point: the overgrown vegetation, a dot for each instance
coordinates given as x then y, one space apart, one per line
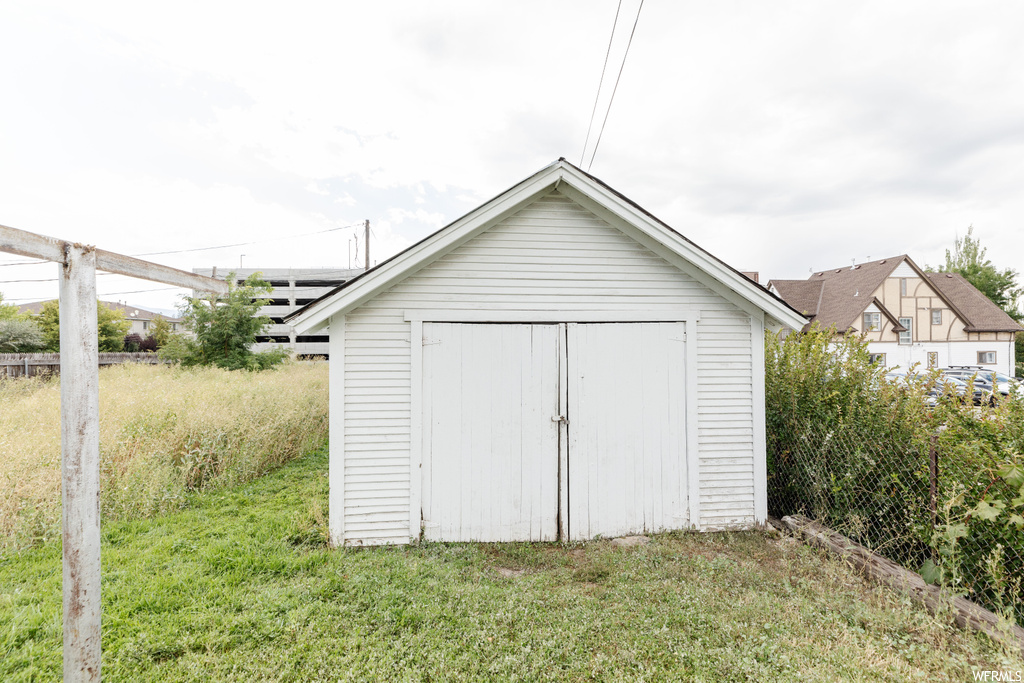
18 332
225 329
241 587
164 433
854 451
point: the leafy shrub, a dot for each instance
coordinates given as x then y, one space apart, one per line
854 451
225 328
19 335
149 344
133 342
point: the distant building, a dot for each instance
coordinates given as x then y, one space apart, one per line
140 318
907 315
293 289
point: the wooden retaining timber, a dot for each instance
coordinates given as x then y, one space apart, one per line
32 364
966 613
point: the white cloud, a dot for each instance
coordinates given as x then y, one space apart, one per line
779 136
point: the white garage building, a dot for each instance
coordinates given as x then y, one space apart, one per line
556 364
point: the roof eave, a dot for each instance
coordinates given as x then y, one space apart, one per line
360 289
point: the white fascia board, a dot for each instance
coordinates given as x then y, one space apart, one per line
712 266
491 212
428 250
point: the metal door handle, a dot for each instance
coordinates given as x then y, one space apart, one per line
559 418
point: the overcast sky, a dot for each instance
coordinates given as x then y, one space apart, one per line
780 136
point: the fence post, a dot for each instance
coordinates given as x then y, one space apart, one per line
933 489
80 463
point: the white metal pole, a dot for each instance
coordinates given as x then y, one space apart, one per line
80 463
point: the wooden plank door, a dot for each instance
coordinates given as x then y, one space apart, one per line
626 456
490 446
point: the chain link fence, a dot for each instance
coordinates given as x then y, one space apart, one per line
935 500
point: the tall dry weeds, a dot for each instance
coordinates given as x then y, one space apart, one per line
163 432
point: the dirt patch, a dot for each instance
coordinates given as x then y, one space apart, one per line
630 541
510 573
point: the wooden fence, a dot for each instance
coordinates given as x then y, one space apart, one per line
32 364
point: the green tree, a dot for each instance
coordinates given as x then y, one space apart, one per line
10 311
1000 286
18 335
226 328
161 330
111 327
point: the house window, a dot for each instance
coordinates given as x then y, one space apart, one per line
986 357
871 321
903 286
876 358
936 316
907 336
145 324
933 359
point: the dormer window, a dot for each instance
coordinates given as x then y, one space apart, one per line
872 321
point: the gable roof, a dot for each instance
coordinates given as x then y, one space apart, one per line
578 185
844 293
978 311
802 295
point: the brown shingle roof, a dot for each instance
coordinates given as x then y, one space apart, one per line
802 295
981 314
842 293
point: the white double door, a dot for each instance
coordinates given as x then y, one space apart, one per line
531 432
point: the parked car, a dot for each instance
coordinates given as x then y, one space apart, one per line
992 381
942 385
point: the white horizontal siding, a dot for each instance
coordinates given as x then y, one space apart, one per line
552 255
950 353
725 435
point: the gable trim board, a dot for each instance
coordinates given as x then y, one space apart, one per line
545 259
579 186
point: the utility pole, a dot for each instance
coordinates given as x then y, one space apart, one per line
366 240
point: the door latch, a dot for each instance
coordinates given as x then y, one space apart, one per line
559 418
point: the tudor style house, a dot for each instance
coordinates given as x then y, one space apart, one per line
907 315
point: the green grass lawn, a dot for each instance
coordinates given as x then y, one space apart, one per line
240 586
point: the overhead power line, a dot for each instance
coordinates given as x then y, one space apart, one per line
615 89
179 251
600 82
245 244
186 251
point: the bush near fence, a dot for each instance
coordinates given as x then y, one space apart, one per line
937 489
164 432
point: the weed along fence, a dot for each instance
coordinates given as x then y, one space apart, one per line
33 364
945 504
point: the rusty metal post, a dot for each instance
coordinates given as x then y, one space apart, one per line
933 470
80 463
